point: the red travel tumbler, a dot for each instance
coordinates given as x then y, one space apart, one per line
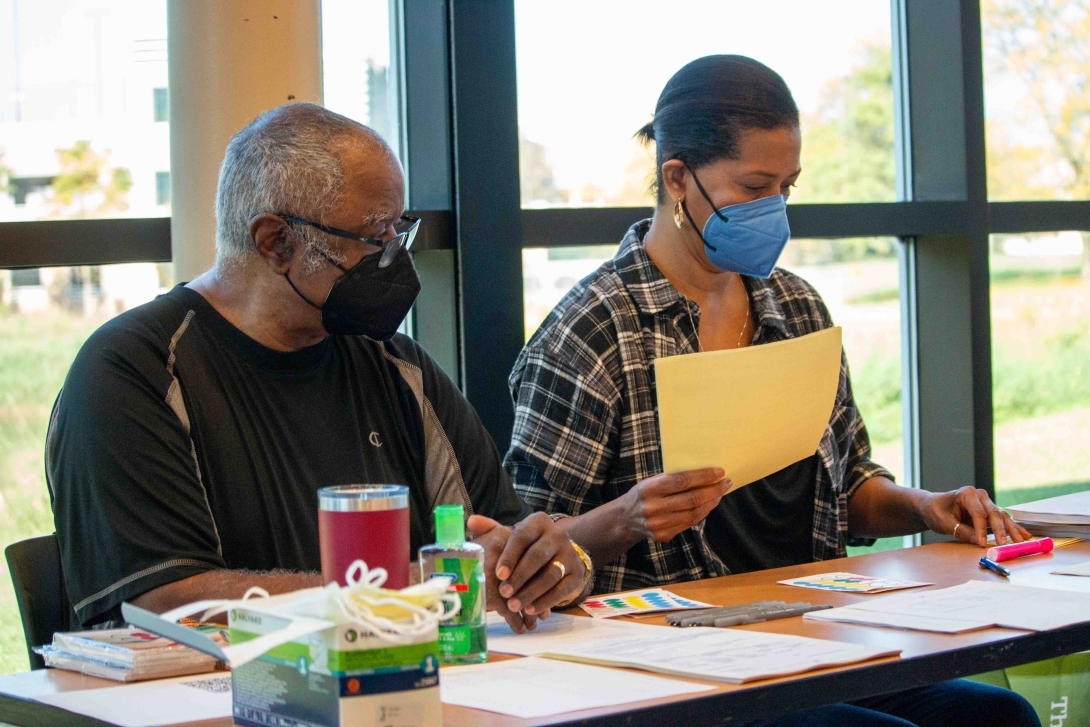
364 522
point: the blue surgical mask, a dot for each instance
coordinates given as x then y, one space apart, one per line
745 238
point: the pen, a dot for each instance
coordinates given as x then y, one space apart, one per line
706 616
771 615
993 566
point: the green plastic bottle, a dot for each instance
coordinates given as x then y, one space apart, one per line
462 639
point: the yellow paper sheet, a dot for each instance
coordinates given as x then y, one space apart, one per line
751 411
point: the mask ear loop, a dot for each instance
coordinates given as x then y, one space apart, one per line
685 208
331 261
711 204
356 605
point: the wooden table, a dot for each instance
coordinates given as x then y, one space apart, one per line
925 658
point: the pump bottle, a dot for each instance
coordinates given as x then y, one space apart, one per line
462 639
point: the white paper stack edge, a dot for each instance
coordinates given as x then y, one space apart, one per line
1067 516
124 655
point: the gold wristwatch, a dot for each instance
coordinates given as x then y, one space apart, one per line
588 565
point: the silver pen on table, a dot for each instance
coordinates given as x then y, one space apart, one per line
707 616
759 616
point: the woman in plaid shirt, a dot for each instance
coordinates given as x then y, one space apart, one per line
700 276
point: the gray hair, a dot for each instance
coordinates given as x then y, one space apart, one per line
289 160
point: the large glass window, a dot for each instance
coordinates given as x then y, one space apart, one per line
858 280
358 79
1040 294
548 273
589 75
1036 72
83 84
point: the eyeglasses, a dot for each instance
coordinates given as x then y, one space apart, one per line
404 234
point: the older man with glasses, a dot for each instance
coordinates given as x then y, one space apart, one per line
193 432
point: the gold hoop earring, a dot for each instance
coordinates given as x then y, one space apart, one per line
678 219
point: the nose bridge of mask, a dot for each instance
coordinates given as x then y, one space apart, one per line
750 215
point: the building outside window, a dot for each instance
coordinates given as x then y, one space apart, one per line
76 138
162 188
161 104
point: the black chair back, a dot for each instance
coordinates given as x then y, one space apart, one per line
35 566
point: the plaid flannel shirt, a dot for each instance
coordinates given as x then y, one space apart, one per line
586 423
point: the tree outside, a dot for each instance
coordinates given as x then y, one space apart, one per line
86 184
1037 78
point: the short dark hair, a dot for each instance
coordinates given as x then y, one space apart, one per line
708 103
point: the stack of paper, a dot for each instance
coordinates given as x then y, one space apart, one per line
968 607
725 655
127 655
1064 516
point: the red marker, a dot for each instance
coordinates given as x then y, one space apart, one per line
1016 550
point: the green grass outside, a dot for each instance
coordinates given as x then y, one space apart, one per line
35 352
1025 384
1002 277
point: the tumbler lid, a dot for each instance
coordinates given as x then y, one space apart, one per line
363 498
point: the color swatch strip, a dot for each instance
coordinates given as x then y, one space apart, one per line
651 600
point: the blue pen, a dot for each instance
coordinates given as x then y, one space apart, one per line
993 566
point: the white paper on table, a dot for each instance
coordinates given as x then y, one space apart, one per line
1054 582
536 687
911 622
972 605
1082 569
559 631
1073 509
724 655
144 704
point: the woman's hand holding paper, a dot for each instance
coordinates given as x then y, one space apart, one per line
662 506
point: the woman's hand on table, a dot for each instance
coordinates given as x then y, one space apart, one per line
967 513
529 568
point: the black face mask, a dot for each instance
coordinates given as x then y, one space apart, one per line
368 300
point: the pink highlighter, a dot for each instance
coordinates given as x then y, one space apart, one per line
1017 550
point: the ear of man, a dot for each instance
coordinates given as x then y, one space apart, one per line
270 235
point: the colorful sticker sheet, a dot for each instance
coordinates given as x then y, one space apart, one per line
651 600
851 583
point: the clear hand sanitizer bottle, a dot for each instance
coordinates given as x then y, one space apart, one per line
462 639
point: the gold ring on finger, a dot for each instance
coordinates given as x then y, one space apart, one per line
563 570
956 529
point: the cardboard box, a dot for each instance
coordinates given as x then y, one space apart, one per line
317 673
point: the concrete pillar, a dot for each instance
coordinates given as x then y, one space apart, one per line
229 60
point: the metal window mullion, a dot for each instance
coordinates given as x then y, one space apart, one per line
487 204
425 68
934 50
